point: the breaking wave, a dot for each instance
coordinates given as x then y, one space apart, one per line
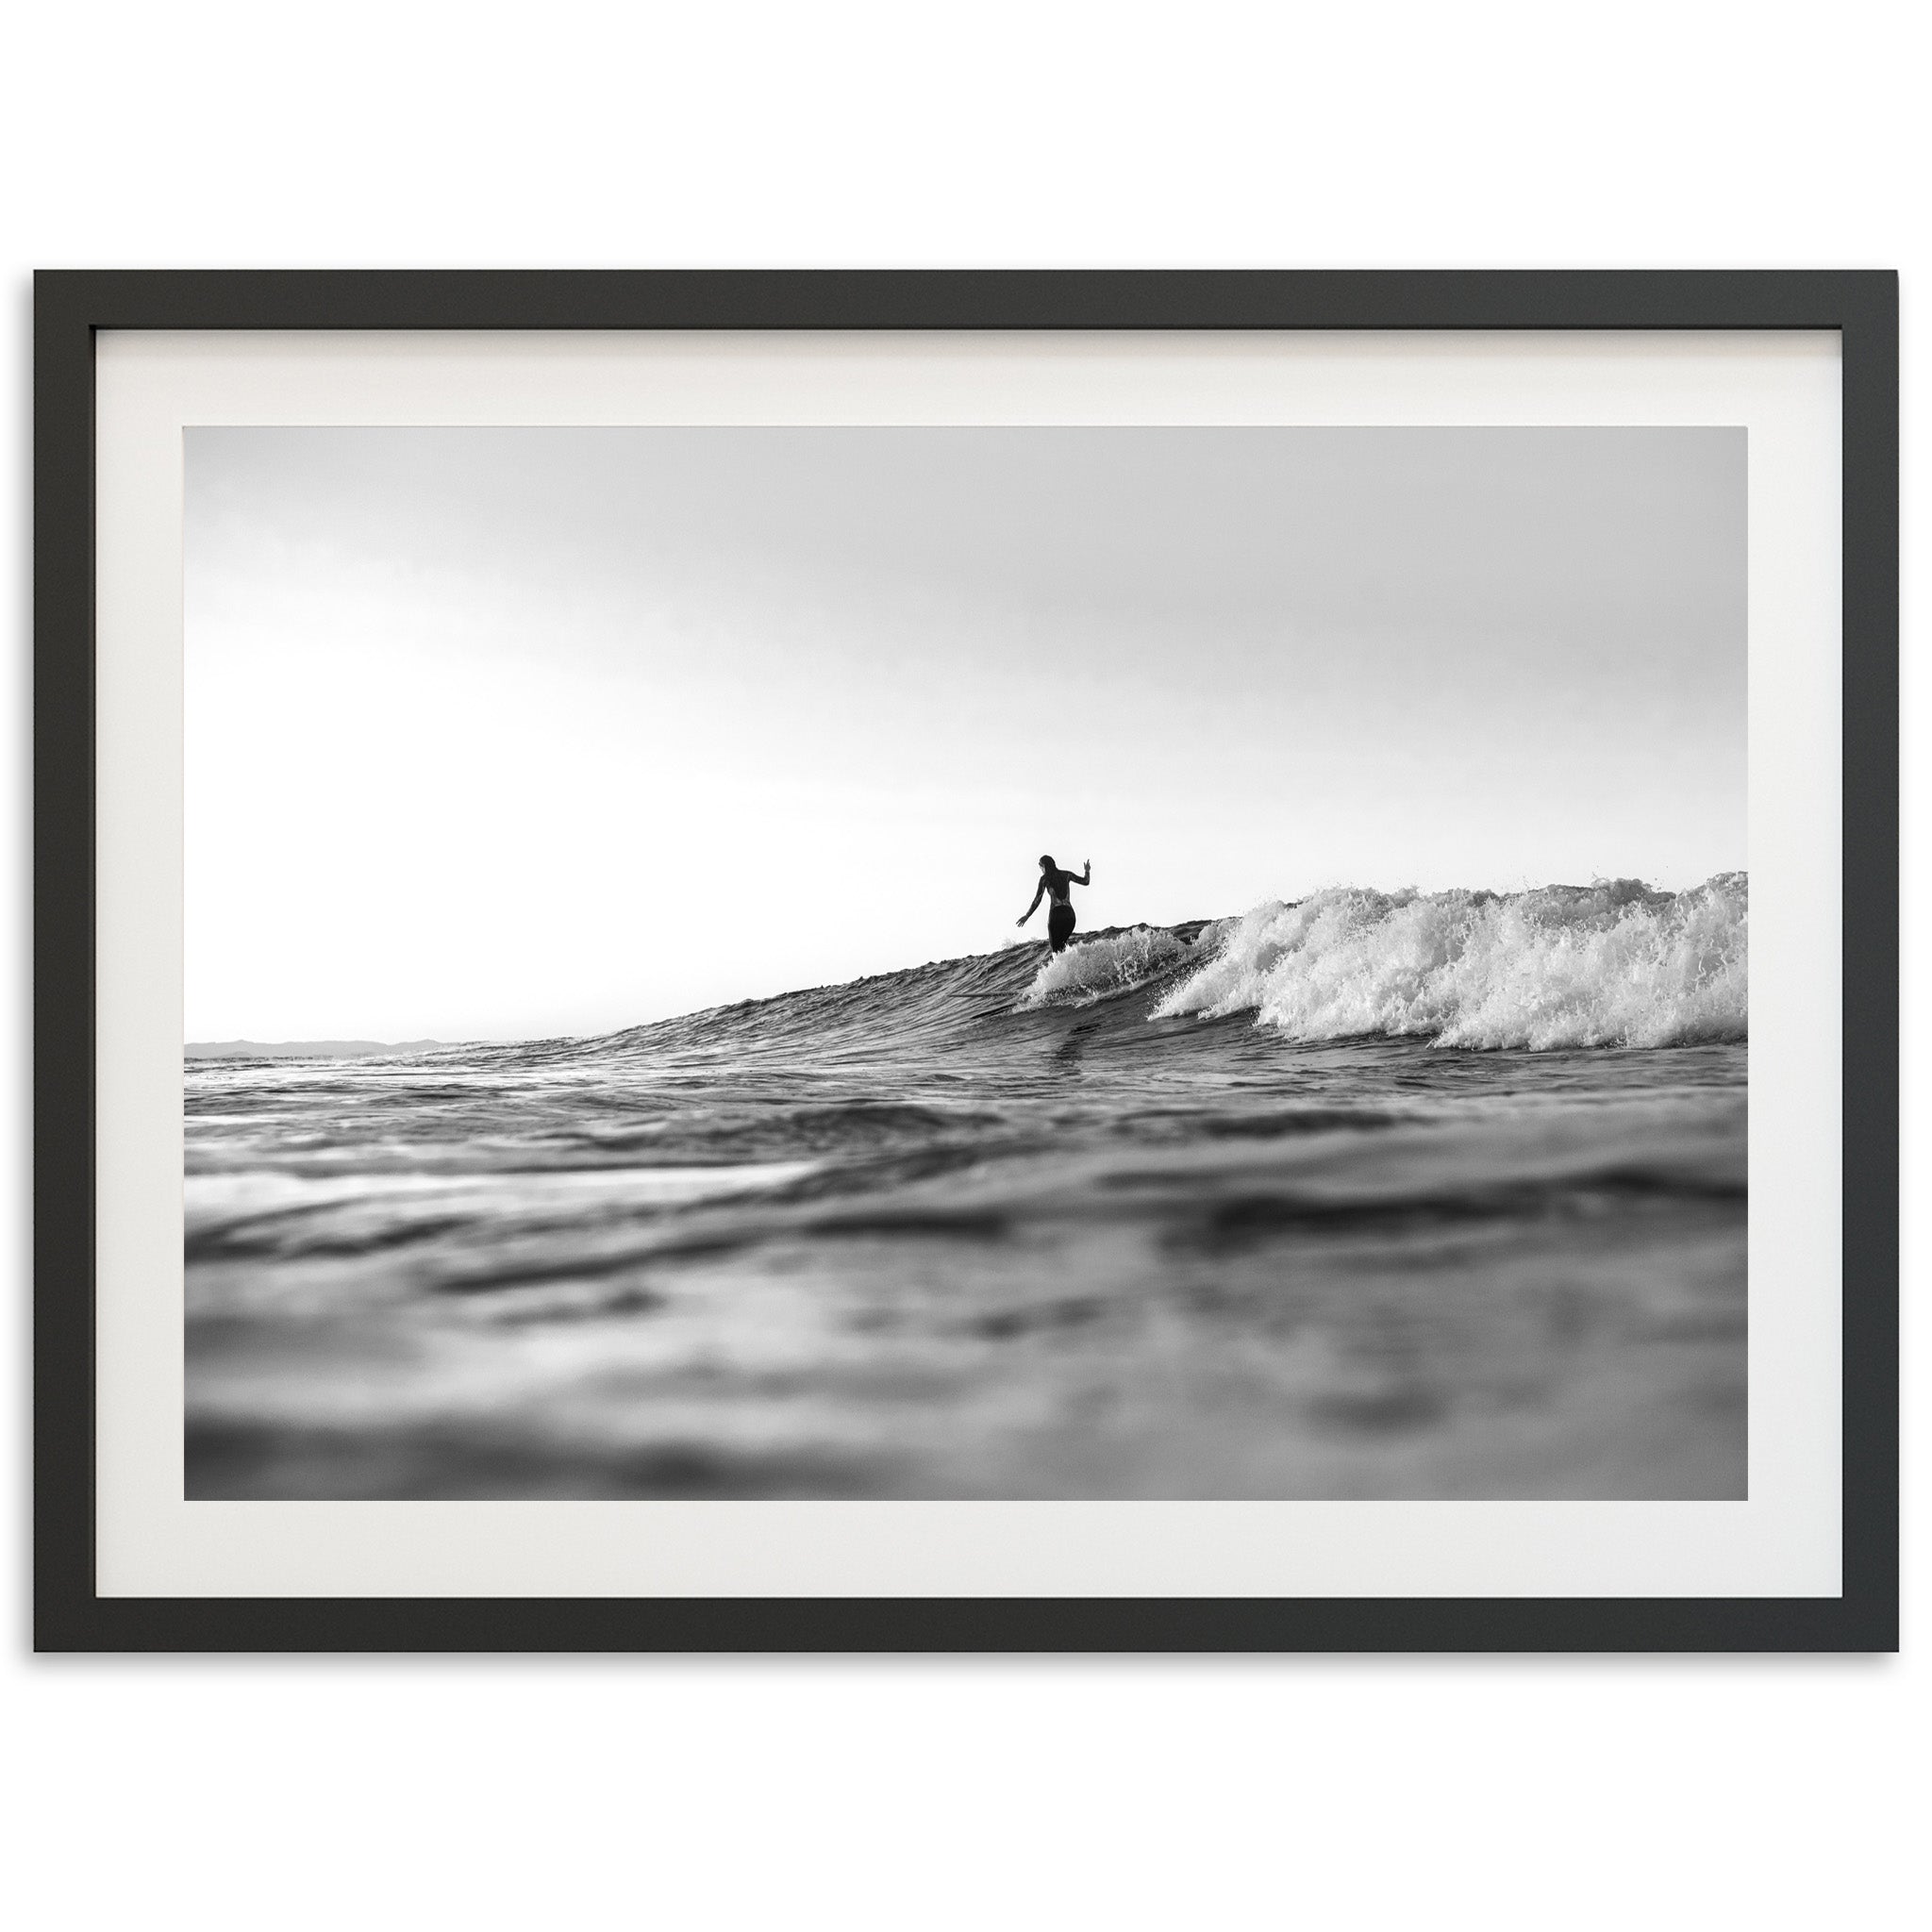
1610 964
1107 964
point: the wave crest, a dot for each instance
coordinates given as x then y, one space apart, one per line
1098 969
1611 964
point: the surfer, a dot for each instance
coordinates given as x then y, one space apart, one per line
1057 885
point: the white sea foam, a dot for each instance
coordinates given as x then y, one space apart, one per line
1610 964
1097 969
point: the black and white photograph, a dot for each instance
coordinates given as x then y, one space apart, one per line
888 1050
966 962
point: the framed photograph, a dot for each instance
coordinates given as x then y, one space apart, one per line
966 962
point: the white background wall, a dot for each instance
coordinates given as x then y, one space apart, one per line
1535 1793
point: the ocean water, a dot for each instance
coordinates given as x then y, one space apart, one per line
1370 1195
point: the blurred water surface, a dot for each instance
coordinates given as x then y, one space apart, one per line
979 1229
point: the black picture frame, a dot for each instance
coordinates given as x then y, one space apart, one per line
70 307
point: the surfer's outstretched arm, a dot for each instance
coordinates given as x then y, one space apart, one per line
1086 872
1039 893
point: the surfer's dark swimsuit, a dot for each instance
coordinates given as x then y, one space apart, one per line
1057 885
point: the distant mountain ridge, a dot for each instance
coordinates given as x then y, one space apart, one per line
303 1049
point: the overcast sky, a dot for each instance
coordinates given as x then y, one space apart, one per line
512 732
